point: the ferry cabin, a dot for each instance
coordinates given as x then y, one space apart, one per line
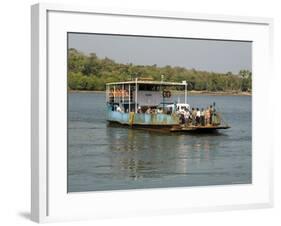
144 103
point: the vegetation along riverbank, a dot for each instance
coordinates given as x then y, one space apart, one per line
91 73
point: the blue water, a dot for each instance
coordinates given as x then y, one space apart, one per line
101 157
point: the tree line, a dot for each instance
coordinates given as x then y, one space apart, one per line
89 72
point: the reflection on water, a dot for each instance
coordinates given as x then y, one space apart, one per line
142 154
105 157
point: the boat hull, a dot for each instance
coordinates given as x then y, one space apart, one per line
142 119
158 122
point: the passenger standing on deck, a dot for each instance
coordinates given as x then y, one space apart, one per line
148 111
207 116
193 115
197 116
139 110
202 117
211 114
186 116
159 111
182 119
214 117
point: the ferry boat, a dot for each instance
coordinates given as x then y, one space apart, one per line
151 105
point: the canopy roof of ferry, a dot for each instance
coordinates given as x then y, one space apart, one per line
149 82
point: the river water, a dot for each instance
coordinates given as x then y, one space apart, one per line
101 157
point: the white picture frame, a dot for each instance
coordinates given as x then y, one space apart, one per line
50 200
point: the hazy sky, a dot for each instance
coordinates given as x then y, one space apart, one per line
208 55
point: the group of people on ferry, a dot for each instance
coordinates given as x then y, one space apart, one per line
197 117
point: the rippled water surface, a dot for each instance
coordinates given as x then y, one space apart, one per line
101 157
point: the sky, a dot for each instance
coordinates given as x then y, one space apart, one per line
207 55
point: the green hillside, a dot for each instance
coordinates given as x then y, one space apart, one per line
88 72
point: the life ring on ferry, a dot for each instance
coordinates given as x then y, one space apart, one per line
166 93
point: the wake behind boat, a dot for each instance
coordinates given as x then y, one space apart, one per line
150 105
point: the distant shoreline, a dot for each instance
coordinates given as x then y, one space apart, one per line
190 93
